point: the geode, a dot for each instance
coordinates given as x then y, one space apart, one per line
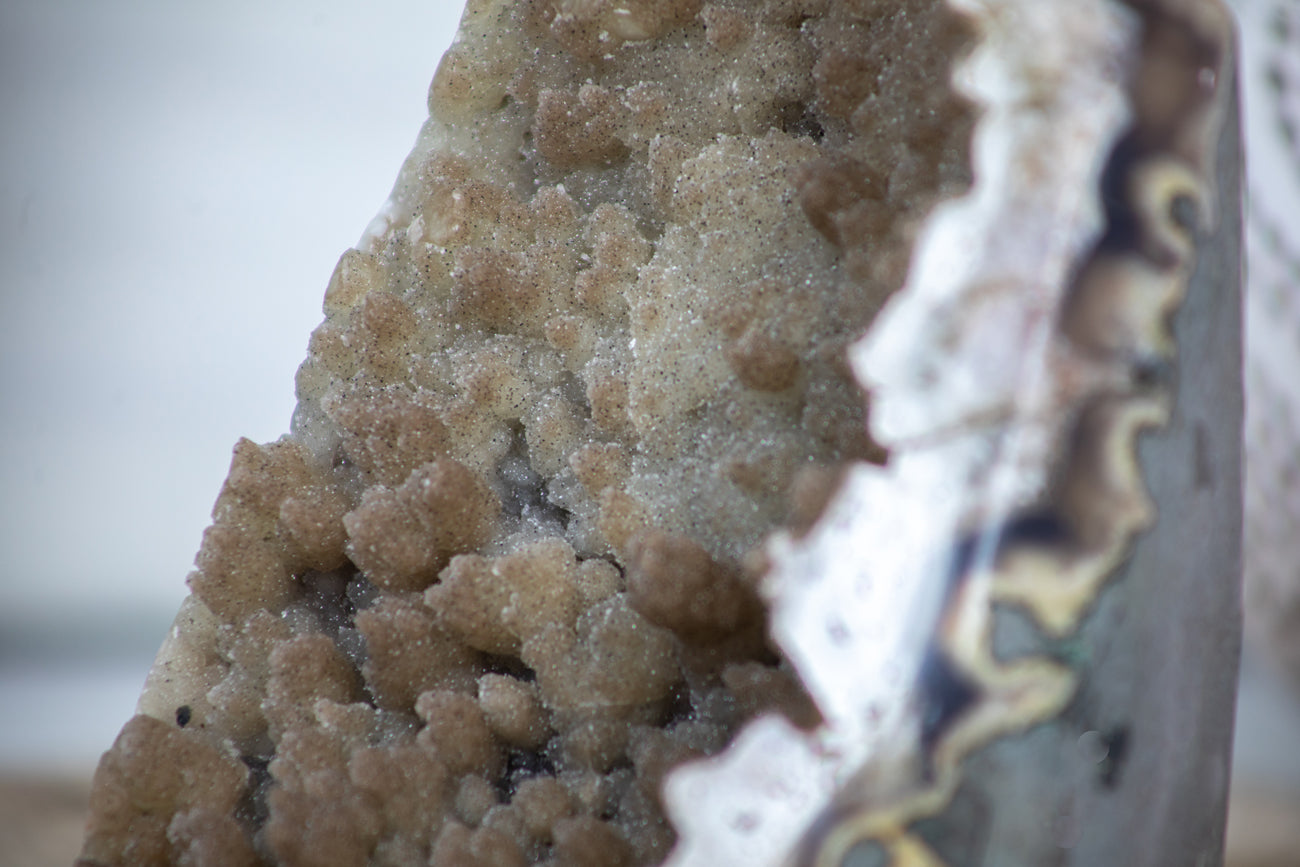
593 474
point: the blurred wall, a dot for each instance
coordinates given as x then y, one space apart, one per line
177 181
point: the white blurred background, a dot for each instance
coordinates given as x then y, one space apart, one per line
177 181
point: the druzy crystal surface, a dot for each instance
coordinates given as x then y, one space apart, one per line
500 577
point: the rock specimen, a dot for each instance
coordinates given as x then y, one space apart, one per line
500 577
1022 632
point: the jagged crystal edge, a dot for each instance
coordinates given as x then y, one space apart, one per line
965 410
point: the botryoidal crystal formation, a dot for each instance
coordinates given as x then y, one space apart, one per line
500 577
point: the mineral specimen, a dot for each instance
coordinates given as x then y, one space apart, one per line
500 577
1022 632
603 536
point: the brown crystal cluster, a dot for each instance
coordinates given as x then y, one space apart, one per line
500 577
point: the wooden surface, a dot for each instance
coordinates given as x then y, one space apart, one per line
1263 829
41 822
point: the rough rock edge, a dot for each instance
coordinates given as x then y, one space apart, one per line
1049 441
281 512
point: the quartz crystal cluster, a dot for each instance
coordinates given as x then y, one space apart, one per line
500 576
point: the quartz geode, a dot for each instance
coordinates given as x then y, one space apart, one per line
500 577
